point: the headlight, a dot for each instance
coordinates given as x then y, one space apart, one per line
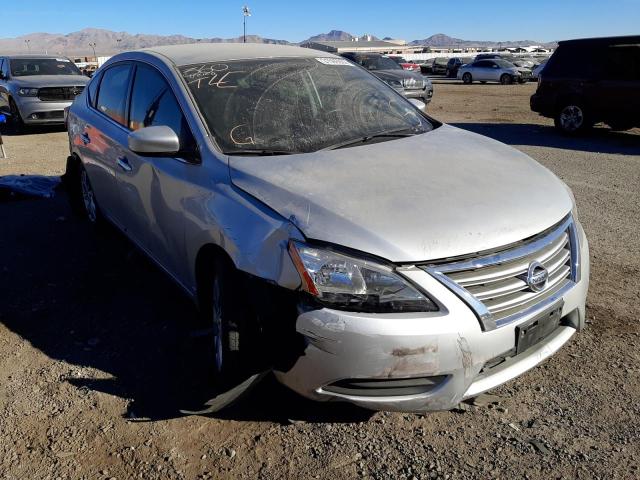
348 283
28 92
395 83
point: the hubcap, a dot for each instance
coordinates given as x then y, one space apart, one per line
217 326
571 118
88 197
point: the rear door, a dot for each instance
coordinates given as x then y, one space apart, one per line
153 187
102 136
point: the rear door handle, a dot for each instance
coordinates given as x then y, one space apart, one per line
85 138
124 164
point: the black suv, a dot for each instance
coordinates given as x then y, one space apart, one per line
591 80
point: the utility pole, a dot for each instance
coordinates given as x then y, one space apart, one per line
118 40
93 47
245 13
28 42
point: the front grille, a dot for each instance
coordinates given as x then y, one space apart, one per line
495 285
59 94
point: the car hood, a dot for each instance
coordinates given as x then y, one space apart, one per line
411 199
38 81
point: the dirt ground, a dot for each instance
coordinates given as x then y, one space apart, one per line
98 350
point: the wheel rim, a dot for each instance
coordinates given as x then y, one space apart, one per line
217 326
88 198
467 78
571 118
506 80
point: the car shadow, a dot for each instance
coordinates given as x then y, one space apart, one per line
7 131
87 297
598 140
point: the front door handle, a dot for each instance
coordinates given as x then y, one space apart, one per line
85 138
124 164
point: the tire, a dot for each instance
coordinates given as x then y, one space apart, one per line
234 325
467 79
572 118
16 122
506 79
483 82
87 200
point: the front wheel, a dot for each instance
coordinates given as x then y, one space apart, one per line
17 125
506 79
234 325
572 119
466 78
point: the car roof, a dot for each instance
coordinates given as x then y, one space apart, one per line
215 52
631 39
31 56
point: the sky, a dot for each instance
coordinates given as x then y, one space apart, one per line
542 20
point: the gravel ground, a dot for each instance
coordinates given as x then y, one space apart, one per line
98 352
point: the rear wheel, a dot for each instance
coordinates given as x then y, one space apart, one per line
467 79
89 202
572 119
506 79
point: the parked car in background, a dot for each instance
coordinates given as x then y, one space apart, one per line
288 193
35 89
454 64
523 62
439 65
412 67
410 84
487 56
535 73
591 80
494 70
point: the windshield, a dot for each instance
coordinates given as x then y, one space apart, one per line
22 67
297 104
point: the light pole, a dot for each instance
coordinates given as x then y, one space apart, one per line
28 42
93 47
118 40
245 13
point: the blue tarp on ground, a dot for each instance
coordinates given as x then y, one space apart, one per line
35 185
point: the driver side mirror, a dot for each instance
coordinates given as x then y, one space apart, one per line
154 141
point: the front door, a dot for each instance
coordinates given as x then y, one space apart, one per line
152 187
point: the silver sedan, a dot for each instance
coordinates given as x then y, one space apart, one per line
324 226
493 70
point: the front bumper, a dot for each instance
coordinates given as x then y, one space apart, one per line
36 112
447 347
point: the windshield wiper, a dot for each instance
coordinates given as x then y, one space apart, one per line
399 133
261 152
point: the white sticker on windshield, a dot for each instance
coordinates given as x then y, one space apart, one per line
62 60
334 61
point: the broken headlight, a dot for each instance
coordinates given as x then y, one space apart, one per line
344 282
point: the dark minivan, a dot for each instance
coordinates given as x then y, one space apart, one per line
592 80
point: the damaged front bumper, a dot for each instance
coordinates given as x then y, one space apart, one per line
420 361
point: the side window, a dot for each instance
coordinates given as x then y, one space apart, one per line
112 94
623 62
153 103
2 65
92 89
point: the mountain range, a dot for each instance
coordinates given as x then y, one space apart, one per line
108 42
